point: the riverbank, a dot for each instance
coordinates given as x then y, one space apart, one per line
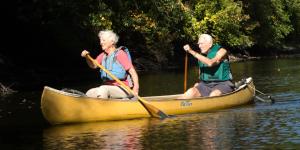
238 58
29 77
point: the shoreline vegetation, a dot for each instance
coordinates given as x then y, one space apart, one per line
287 51
239 58
16 82
154 31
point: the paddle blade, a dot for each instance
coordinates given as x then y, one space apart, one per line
153 111
272 99
162 115
264 100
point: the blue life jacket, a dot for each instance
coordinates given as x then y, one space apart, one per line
113 65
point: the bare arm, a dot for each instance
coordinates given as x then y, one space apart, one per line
209 62
135 79
88 61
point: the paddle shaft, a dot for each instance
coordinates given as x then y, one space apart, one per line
112 76
185 72
153 111
261 99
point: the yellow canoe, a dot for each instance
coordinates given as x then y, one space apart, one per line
59 107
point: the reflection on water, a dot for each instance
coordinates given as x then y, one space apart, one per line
244 127
100 135
183 132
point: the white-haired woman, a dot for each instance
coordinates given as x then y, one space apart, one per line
118 62
214 69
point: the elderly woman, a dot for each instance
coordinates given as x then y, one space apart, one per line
118 62
214 69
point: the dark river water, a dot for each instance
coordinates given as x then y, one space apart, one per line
261 125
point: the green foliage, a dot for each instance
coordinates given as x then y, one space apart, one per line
100 19
293 9
157 28
223 19
273 20
157 22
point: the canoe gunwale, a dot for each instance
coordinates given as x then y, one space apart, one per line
153 98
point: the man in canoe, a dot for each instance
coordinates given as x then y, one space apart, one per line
118 62
214 69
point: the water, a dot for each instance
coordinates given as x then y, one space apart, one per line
256 126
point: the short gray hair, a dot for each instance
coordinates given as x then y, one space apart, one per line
206 37
110 35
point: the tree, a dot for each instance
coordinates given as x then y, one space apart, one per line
274 22
225 20
294 12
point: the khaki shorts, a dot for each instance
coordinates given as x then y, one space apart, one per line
205 88
107 91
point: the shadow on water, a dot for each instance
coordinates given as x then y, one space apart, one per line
255 126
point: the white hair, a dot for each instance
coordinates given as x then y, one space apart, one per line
110 35
206 38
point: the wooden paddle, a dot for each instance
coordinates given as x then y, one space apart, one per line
185 71
243 81
261 99
152 110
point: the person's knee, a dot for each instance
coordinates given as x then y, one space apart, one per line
196 84
99 92
215 93
190 93
194 91
91 93
102 92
